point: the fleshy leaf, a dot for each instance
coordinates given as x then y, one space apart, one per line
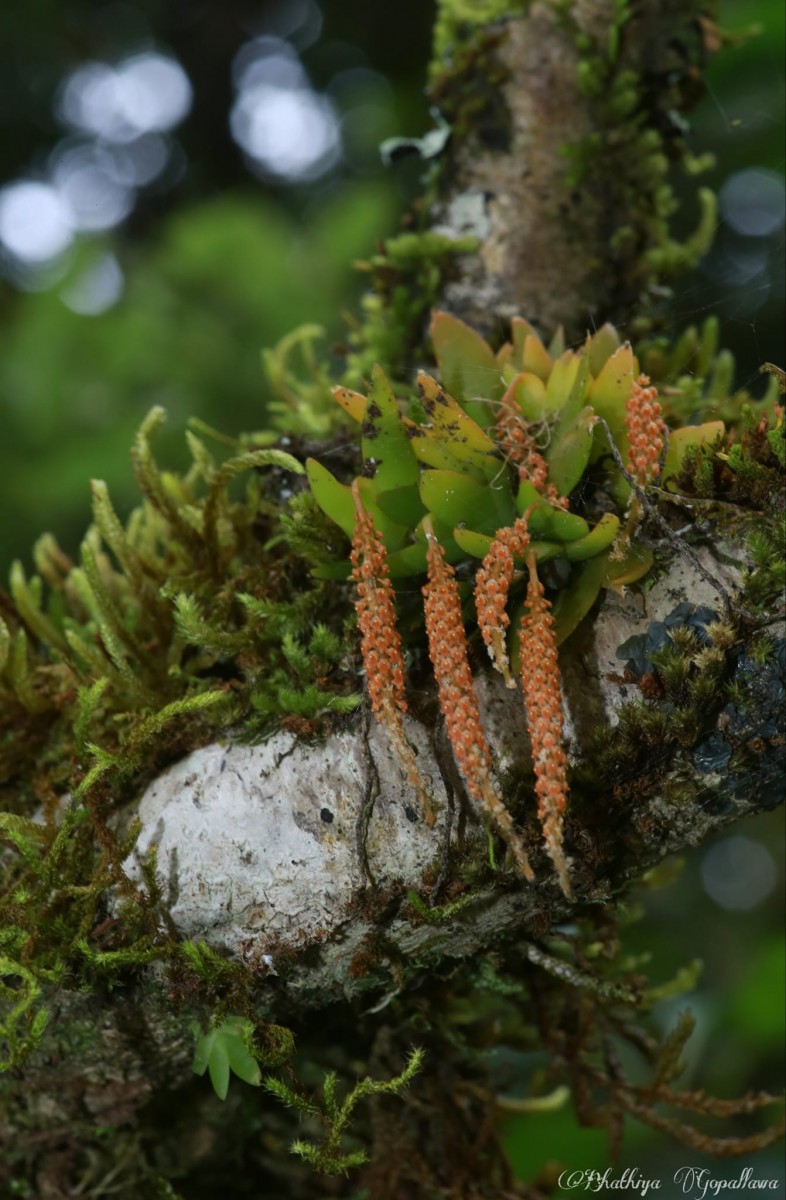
387 453
394 533
601 346
222 1049
575 601
457 499
411 560
352 402
569 452
477 545
528 392
608 395
402 504
467 365
680 441
536 357
596 541
552 523
452 441
561 380
334 498
557 343
632 566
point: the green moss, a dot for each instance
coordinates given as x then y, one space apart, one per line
405 278
183 621
456 20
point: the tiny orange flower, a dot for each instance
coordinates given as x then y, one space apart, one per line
380 645
447 642
646 431
540 677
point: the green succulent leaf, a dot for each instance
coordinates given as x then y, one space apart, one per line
477 545
601 346
681 440
336 501
528 392
387 451
575 601
608 395
529 353
569 451
468 366
561 380
409 561
552 523
629 567
334 498
458 500
596 541
452 423
402 504
393 532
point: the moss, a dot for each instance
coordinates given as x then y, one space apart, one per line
457 20
405 278
631 151
186 620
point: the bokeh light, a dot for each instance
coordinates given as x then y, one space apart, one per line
146 93
120 120
738 873
96 288
35 222
753 202
287 129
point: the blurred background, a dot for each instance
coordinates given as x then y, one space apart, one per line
184 182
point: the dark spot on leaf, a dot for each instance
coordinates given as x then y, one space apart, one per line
370 467
373 411
369 429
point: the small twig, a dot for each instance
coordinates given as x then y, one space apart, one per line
369 796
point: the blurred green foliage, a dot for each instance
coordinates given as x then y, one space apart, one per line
220 280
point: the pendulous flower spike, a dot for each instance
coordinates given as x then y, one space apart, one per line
492 584
447 642
540 677
646 431
383 657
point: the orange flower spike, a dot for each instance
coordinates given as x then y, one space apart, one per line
380 644
447 643
540 677
646 431
492 584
